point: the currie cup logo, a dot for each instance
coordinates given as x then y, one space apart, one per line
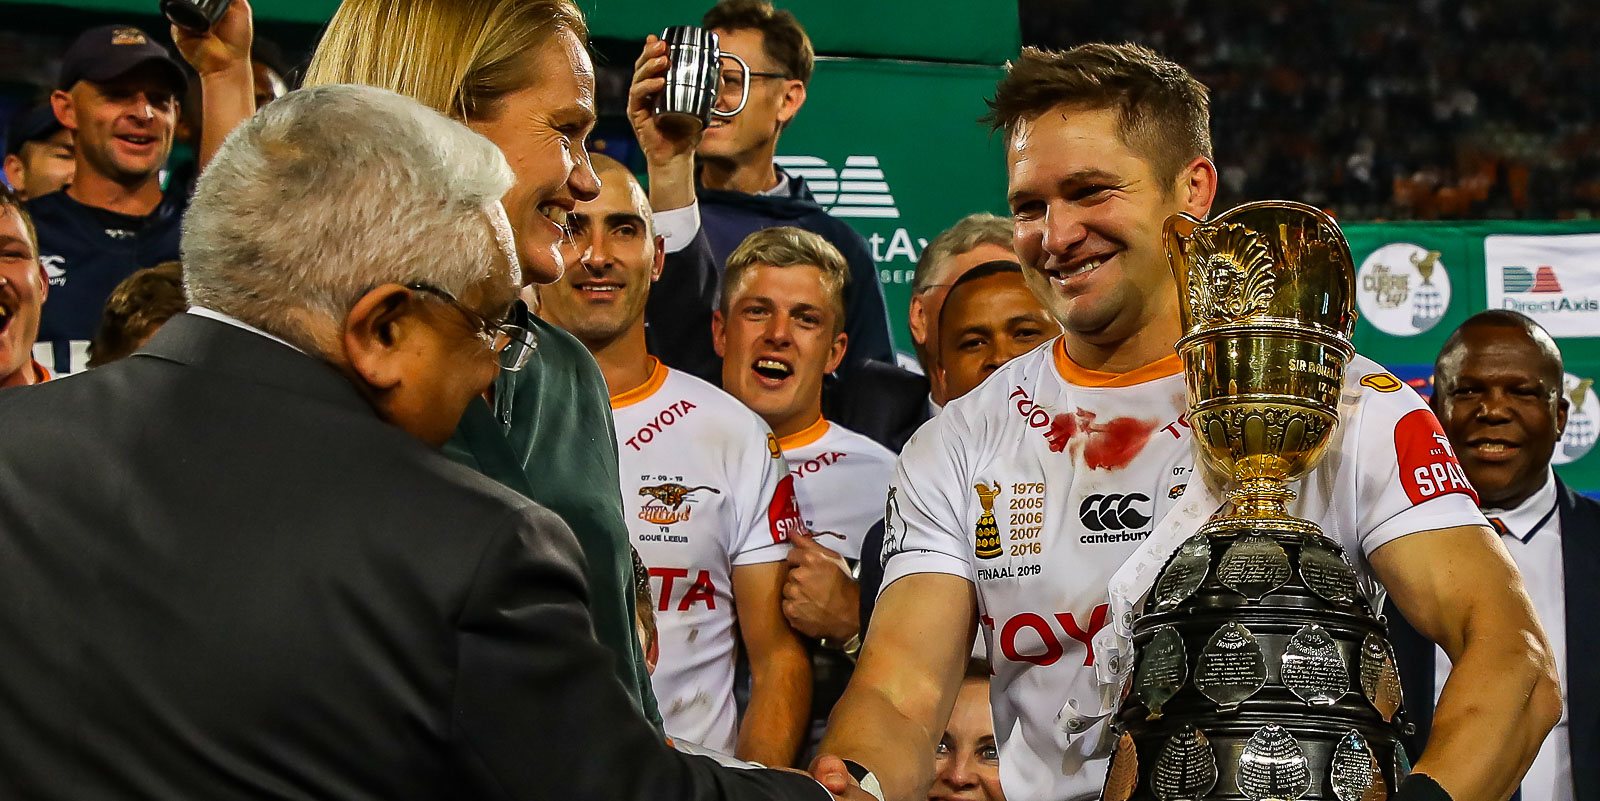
1402 290
1583 420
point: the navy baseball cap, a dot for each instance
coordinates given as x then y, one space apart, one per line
110 51
30 125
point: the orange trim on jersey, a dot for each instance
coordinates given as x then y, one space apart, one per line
1084 377
658 376
804 436
38 370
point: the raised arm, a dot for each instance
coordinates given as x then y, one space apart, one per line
780 669
227 85
1459 588
894 711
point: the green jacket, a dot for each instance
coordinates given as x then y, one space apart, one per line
550 437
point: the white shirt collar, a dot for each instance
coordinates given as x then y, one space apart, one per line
1529 516
213 314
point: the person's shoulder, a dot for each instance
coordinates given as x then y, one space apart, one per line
704 393
1374 392
993 397
51 207
858 444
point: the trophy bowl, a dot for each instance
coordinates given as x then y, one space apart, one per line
1265 296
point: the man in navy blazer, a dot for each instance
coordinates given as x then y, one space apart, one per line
1498 395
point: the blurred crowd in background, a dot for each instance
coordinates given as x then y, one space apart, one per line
1432 110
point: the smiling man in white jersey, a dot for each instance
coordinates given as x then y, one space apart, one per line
1023 498
780 330
706 495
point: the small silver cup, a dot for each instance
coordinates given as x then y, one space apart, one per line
694 75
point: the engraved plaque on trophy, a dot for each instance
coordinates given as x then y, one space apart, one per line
1380 679
1123 776
1254 566
1231 668
1184 573
1163 667
1186 769
1272 767
1313 668
1327 573
1354 771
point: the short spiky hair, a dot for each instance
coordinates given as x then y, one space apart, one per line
782 38
787 246
1165 114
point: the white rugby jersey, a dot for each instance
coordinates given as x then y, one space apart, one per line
704 489
840 478
1037 485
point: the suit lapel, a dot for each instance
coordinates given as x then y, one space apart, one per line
1580 560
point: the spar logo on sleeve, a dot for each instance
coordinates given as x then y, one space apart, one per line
783 516
1428 466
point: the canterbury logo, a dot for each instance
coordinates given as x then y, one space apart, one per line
1109 512
858 190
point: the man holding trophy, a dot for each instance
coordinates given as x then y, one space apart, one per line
1255 668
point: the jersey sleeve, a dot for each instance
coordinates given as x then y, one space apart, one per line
768 510
1408 479
923 529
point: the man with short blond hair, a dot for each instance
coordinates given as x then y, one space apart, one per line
23 288
779 332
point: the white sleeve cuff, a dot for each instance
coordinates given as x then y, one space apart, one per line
1444 511
908 563
677 227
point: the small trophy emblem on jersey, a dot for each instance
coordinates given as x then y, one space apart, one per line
987 531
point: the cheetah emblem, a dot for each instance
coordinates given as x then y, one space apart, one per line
673 495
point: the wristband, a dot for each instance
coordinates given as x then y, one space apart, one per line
1420 787
865 778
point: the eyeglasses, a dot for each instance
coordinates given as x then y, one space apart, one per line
733 84
512 344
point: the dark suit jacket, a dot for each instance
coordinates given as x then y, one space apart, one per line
882 401
223 577
1580 560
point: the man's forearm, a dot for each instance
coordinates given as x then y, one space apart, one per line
780 707
866 727
227 98
1499 703
671 183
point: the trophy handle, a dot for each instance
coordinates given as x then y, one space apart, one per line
744 96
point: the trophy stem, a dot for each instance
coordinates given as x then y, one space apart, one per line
1259 504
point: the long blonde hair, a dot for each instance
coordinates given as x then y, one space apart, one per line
459 57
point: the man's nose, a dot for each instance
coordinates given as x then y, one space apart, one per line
1063 228
1493 407
779 331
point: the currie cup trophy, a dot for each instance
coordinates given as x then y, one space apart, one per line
1261 671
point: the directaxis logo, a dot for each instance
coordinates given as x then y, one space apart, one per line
859 189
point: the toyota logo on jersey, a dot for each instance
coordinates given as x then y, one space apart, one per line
1428 466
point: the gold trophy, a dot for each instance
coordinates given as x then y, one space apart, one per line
1261 671
1266 293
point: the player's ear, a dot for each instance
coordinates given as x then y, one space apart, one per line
61 104
660 260
836 350
716 333
1197 187
915 321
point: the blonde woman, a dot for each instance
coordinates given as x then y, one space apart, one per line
518 72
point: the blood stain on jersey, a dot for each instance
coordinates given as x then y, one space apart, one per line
987 532
666 504
1111 445
1428 466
